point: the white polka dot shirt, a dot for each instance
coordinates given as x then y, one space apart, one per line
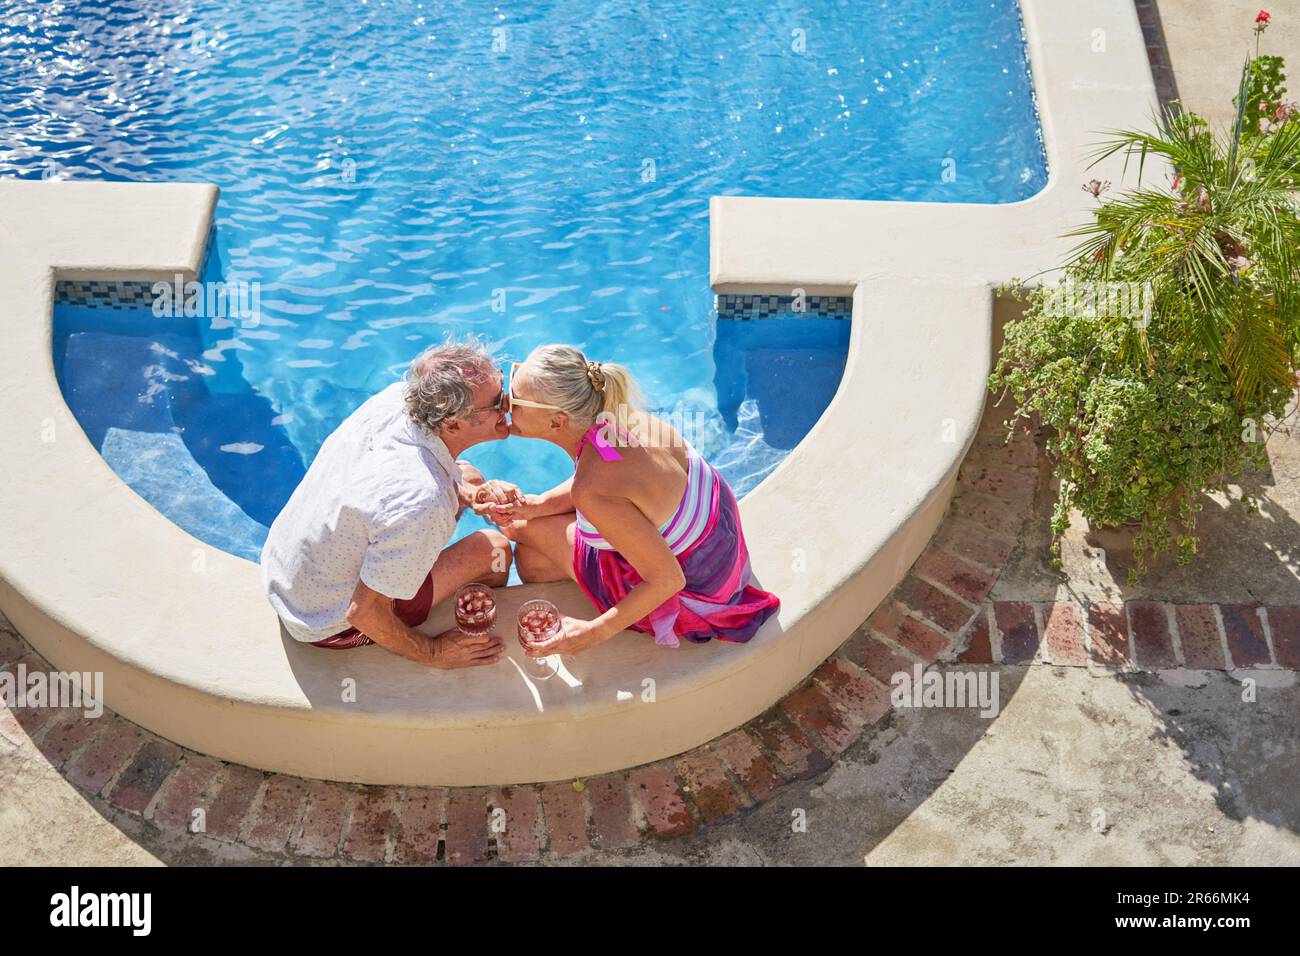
378 504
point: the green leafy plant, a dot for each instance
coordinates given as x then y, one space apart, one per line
1219 247
1265 88
1130 444
1265 83
1176 390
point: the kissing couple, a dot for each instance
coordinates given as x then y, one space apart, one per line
647 528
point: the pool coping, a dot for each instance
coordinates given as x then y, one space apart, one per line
230 684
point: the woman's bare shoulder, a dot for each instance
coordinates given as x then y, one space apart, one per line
595 476
660 437
654 432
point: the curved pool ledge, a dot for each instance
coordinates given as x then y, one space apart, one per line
96 579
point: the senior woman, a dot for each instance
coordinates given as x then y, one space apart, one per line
647 527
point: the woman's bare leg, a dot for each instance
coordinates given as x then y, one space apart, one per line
544 548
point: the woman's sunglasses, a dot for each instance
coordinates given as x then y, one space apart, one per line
511 401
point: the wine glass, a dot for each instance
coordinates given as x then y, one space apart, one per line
476 610
539 621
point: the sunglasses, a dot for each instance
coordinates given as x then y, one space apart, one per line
497 406
511 401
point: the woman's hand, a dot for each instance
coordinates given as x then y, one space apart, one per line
521 508
575 637
494 494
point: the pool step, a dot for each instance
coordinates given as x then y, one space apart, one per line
160 469
127 381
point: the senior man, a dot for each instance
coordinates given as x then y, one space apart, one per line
359 554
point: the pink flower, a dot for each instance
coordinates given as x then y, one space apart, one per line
1096 187
1275 118
1262 20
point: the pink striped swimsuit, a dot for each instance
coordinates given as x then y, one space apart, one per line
686 525
704 535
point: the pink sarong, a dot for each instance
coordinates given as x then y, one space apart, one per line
718 599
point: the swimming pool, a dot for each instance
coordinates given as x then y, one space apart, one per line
534 173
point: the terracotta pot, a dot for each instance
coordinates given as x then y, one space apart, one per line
1112 537
1119 537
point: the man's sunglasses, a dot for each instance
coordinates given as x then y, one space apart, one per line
500 404
505 402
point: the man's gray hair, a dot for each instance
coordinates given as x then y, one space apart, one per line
440 382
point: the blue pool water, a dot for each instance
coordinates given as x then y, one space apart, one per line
533 172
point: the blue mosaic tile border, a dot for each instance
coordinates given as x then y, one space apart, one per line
743 307
122 293
111 293
132 294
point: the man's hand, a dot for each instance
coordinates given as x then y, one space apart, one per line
452 649
497 492
494 495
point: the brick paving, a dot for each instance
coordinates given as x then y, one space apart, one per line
1153 35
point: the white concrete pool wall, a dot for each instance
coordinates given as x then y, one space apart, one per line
96 579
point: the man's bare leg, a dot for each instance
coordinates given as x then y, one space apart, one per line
488 563
483 556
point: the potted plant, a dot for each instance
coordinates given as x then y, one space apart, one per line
1165 358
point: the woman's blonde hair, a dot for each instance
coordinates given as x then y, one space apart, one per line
583 390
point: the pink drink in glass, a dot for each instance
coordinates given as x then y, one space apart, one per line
539 621
476 610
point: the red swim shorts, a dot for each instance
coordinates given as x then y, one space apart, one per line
412 613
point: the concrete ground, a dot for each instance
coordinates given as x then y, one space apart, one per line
1075 769
1079 766
1209 40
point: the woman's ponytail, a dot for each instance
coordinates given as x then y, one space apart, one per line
620 390
583 389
